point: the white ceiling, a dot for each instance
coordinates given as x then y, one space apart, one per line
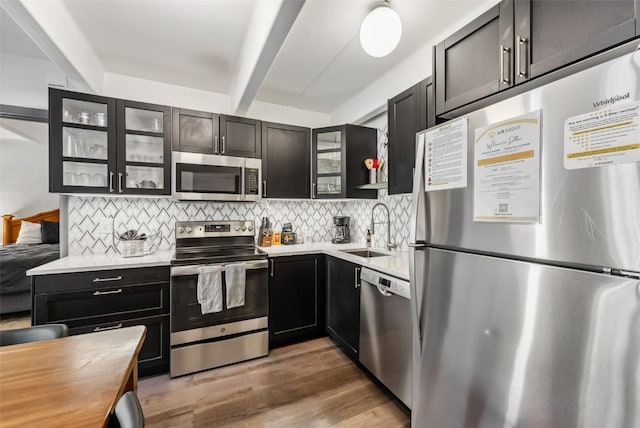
198 43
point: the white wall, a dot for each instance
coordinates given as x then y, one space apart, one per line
23 81
24 176
132 88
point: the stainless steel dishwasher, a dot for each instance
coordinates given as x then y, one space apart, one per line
385 331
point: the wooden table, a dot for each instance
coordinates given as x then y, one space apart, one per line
75 381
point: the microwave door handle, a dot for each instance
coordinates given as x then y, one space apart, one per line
242 189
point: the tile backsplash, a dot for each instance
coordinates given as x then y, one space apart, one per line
93 219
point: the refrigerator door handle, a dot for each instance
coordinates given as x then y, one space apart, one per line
418 190
416 243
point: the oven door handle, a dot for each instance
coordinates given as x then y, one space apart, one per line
195 269
243 191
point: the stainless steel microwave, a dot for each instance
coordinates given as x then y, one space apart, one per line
197 177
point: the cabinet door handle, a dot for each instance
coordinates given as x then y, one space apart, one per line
264 188
113 327
272 268
223 148
216 145
104 293
356 272
111 181
313 193
114 278
120 176
521 57
504 50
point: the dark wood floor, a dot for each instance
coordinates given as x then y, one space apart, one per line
311 384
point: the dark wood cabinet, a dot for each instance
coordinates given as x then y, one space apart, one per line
211 133
195 131
240 136
286 161
407 113
103 145
519 40
103 300
475 61
296 298
338 161
343 304
552 34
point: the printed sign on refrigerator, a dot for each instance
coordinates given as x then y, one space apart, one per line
604 137
507 170
445 159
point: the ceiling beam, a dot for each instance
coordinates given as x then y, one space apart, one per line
268 29
53 30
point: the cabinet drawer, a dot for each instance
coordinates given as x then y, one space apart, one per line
104 304
154 355
99 279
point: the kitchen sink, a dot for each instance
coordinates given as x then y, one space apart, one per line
364 252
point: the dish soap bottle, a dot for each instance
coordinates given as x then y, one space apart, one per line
368 238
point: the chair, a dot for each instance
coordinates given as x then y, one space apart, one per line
33 334
128 412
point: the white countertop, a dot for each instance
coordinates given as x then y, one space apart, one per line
94 262
395 264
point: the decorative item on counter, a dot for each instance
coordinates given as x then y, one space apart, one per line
276 238
288 235
368 238
264 236
132 243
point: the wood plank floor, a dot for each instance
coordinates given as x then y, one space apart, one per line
310 384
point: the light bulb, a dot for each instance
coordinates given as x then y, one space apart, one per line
380 31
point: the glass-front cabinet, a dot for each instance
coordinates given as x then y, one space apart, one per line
328 163
103 145
145 155
338 161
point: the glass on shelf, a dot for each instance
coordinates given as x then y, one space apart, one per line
143 120
329 185
84 112
144 177
84 174
329 163
84 143
141 148
329 140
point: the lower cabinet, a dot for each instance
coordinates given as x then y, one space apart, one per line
106 300
343 304
296 298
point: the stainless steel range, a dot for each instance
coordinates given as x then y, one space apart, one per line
201 341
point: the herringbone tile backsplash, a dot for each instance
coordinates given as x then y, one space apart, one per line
93 219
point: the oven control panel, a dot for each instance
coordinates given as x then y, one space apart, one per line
210 229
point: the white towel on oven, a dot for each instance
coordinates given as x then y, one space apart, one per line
210 289
235 278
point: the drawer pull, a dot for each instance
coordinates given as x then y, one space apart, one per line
102 293
115 278
113 327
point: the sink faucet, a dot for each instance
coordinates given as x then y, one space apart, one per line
390 245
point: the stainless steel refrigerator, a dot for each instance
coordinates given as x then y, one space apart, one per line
533 324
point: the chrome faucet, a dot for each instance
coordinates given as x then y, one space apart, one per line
390 245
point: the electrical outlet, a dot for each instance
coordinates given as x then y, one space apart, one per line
104 229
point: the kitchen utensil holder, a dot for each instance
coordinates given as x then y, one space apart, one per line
373 176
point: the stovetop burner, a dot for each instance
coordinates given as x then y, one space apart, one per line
219 255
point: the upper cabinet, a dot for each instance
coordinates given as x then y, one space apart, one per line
551 34
286 161
338 161
204 132
407 113
516 41
103 145
476 60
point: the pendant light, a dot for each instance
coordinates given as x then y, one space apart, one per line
380 31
